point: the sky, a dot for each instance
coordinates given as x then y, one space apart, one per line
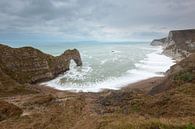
96 20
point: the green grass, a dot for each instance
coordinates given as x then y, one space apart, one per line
184 76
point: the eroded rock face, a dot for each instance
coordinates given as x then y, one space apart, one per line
30 65
179 43
182 39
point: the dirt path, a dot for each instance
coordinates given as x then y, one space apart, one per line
89 116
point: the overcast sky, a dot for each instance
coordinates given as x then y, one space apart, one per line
101 20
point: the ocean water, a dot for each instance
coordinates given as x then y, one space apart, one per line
107 65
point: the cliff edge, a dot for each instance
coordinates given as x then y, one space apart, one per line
178 44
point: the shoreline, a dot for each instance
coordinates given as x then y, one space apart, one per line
144 85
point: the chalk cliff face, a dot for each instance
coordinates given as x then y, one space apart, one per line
179 43
30 65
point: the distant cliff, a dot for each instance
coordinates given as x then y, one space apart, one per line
30 65
179 43
158 42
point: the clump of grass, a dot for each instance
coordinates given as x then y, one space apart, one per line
183 77
135 108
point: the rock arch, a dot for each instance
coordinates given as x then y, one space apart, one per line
30 65
74 55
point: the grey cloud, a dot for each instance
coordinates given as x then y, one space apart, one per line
96 19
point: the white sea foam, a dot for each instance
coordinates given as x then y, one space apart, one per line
76 79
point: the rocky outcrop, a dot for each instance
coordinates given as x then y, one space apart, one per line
179 43
30 65
158 42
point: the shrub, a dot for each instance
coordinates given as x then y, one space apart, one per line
184 76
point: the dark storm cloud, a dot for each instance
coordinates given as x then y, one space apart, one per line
95 19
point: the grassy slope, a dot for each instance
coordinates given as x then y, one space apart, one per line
9 87
173 109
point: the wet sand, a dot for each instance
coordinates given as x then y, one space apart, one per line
145 85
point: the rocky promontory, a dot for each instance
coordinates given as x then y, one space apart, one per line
178 44
29 65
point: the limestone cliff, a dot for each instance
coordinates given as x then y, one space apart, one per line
30 65
179 43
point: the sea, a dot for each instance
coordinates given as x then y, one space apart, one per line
106 65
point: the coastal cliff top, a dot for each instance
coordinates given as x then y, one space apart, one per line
179 44
182 37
